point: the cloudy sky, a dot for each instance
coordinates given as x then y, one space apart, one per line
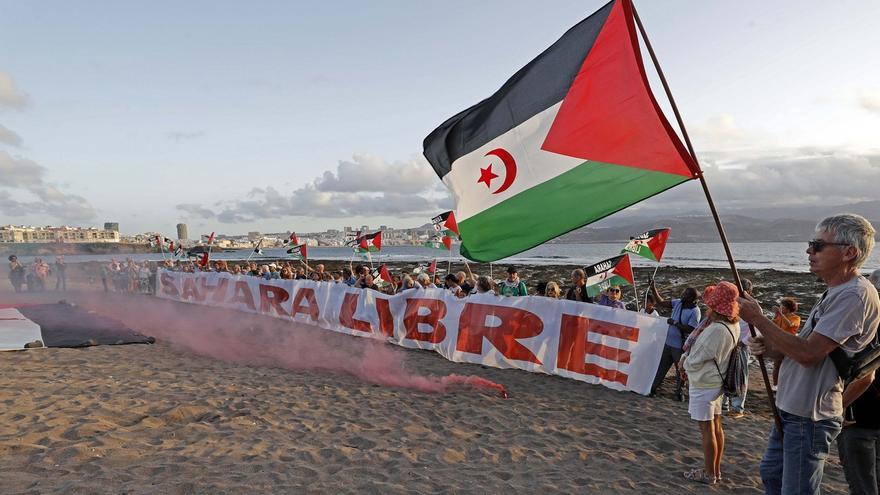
235 116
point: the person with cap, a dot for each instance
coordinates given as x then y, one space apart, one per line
705 361
512 285
810 397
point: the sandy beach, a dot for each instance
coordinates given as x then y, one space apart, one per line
246 404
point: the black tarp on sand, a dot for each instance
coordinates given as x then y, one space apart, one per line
66 325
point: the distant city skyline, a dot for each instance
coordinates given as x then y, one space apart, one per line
310 116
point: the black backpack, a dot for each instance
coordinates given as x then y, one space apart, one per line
859 365
733 380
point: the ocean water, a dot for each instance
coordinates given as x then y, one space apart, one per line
783 256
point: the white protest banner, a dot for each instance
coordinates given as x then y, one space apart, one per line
616 348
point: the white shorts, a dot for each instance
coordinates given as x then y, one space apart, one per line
704 403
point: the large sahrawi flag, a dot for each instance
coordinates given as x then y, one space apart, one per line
574 136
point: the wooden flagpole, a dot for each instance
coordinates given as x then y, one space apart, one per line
721 233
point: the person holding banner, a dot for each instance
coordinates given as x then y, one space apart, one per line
611 298
684 319
512 285
578 289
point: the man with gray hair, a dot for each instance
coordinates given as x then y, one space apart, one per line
810 398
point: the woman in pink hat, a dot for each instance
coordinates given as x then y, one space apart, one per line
704 362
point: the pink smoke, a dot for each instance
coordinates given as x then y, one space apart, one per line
263 341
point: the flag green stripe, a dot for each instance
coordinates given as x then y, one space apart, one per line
596 289
582 195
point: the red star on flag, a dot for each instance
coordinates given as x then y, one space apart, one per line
486 176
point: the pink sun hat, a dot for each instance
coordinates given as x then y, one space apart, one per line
721 298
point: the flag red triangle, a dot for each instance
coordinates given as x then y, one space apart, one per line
451 224
383 272
433 267
204 261
447 241
624 269
377 240
609 114
658 243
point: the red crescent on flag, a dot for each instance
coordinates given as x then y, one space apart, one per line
509 168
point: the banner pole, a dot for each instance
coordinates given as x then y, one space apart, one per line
260 243
636 291
449 263
161 240
717 219
649 281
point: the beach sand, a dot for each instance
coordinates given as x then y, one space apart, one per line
178 417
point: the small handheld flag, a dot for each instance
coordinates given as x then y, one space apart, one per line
444 242
300 251
368 242
446 221
649 244
604 274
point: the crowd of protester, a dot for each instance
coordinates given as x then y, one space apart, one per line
699 344
35 276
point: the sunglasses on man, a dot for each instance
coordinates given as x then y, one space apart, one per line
817 245
614 290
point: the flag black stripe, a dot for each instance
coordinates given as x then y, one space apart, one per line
542 83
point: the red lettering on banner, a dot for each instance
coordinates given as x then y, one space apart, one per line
386 319
346 314
168 287
412 319
272 297
311 308
190 291
514 324
218 291
574 347
242 295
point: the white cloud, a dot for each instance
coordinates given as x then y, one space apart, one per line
870 101
784 177
370 173
22 174
366 186
10 95
9 137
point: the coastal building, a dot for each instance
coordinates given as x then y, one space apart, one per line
182 232
111 226
27 234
